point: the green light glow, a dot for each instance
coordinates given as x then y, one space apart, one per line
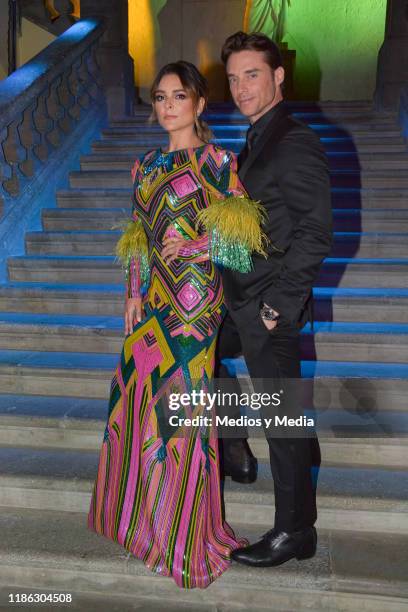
336 43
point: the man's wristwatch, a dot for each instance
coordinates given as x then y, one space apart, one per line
268 313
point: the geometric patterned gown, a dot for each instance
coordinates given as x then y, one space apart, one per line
157 490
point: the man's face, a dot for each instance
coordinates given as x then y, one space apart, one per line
254 87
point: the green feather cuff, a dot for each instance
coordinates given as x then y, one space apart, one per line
234 229
133 243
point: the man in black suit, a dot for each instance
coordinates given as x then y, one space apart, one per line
284 166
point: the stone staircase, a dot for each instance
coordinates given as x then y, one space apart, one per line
61 331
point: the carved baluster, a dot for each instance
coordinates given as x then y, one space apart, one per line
29 138
94 74
56 112
44 125
86 81
66 100
72 94
6 170
83 78
15 154
74 88
94 65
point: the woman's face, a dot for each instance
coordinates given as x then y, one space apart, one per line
174 105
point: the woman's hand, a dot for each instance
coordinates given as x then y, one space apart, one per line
172 246
133 313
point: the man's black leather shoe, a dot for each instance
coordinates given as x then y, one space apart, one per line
277 547
239 462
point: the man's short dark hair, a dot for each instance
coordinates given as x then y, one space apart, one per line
256 41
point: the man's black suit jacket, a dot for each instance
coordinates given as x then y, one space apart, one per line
287 170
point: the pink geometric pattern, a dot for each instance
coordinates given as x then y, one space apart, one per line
189 296
158 494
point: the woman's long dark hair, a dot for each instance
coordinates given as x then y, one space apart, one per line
195 84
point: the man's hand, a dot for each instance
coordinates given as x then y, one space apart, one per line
133 313
269 324
269 317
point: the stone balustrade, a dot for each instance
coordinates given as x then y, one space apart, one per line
45 100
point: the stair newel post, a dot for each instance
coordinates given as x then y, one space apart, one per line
112 55
392 67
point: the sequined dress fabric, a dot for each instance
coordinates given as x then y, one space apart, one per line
157 491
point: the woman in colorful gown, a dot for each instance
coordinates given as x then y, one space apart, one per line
157 490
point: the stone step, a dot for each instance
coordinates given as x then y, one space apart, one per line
345 198
364 498
347 106
93 334
346 438
363 273
351 160
72 242
369 198
370 220
344 143
104 180
303 113
339 179
223 130
105 300
100 242
355 342
62 480
368 179
368 161
364 305
59 552
368 244
84 414
71 219
94 198
352 220
334 141
339 272
330 383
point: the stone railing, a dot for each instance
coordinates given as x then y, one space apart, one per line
45 101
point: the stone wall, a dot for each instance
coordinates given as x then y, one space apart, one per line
336 42
195 30
33 39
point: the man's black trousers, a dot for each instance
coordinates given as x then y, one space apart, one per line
272 355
